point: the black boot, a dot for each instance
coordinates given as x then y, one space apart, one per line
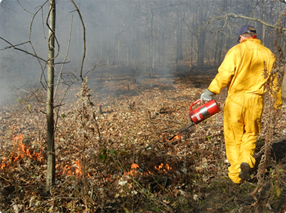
244 174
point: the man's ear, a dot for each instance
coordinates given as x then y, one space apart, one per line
241 38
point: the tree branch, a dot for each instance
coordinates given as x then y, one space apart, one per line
25 51
243 17
84 44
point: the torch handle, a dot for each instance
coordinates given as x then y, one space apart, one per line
194 103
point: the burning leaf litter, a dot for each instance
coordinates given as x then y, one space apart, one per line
113 149
19 152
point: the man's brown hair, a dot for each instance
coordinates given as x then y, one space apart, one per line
251 32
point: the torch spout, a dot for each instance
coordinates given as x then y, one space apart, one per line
182 131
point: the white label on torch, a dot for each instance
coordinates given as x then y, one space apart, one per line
198 116
205 113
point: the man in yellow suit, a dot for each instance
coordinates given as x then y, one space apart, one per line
245 70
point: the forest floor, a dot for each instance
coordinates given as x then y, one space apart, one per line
114 153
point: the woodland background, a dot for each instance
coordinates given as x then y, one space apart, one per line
146 62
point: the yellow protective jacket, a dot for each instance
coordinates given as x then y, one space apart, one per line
243 70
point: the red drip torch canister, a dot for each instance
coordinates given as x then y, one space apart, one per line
204 111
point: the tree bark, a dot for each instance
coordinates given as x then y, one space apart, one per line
179 51
50 97
108 43
201 38
201 35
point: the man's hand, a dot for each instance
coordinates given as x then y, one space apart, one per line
207 95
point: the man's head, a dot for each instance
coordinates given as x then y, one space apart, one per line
246 31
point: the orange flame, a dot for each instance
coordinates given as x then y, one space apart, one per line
72 170
78 169
108 178
90 176
177 137
3 164
25 151
20 152
133 170
134 166
164 170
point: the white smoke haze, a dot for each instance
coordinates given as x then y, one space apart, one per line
141 38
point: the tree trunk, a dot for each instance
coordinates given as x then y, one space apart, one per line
152 41
50 98
201 38
179 52
108 43
221 38
217 50
201 35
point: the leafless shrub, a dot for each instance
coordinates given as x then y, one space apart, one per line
272 117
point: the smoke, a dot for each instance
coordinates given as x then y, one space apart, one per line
145 38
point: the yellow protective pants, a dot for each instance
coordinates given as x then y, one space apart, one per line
242 124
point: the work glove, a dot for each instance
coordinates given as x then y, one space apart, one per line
207 95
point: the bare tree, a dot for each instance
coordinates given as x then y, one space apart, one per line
50 179
47 80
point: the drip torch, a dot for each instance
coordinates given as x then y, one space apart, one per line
201 113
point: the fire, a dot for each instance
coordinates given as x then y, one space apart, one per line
18 137
24 151
78 169
134 166
68 171
3 164
108 178
75 169
20 151
133 170
161 167
90 176
177 137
